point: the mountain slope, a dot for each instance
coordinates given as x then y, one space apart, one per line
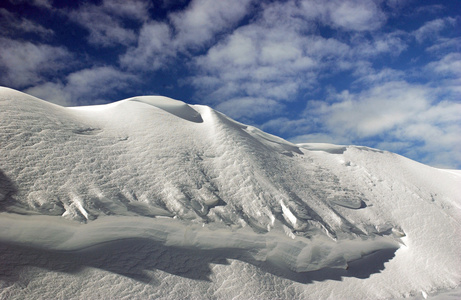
183 190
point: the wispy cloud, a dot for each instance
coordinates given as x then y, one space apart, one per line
445 44
84 87
249 107
11 25
104 22
449 65
367 76
153 51
354 15
203 19
393 44
25 63
372 111
291 127
432 29
39 3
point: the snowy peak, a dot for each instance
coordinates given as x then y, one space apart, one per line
188 176
175 107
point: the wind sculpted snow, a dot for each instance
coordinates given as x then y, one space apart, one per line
315 220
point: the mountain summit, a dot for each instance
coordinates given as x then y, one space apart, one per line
150 197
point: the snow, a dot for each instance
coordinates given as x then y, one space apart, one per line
174 107
150 197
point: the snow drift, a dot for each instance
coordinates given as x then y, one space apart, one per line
150 189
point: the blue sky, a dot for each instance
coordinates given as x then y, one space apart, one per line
384 73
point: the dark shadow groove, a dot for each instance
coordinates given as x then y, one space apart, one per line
133 257
7 192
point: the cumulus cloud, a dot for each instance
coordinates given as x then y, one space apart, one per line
87 86
25 63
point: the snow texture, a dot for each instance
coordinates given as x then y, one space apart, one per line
150 197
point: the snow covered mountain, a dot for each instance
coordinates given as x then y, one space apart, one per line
150 197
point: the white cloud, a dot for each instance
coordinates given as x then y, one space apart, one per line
133 9
445 44
431 30
248 107
288 126
411 118
38 3
397 4
98 80
154 49
393 43
374 111
369 76
202 19
54 92
320 138
240 50
87 86
12 25
431 9
449 65
356 15
279 53
24 63
191 28
42 3
269 62
105 22
349 15
279 41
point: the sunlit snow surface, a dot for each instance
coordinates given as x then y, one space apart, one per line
152 198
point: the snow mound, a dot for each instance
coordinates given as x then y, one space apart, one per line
183 194
174 107
330 148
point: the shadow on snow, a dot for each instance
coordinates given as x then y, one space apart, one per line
134 257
